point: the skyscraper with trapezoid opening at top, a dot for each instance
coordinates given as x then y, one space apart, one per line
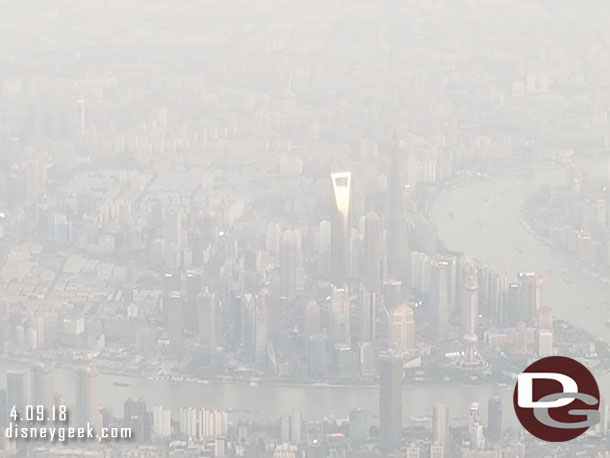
339 248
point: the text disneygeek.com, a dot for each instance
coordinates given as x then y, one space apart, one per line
64 433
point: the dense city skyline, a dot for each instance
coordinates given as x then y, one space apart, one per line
273 229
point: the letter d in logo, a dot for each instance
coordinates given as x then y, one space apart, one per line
526 389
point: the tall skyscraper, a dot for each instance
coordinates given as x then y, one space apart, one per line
254 326
175 321
402 335
247 322
367 358
173 227
511 310
171 283
390 401
136 417
531 296
441 281
392 291
296 427
4 410
545 317
197 245
470 317
497 297
340 310
484 274
207 303
273 238
440 424
87 398
354 257
16 390
368 315
262 330
545 331
475 428
162 422
311 319
324 248
470 307
41 380
371 262
494 419
358 425
339 251
545 342
193 286
188 422
397 230
521 338
317 357
288 264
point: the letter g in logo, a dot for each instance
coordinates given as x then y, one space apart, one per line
556 399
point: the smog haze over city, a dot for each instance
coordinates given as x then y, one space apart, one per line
282 229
